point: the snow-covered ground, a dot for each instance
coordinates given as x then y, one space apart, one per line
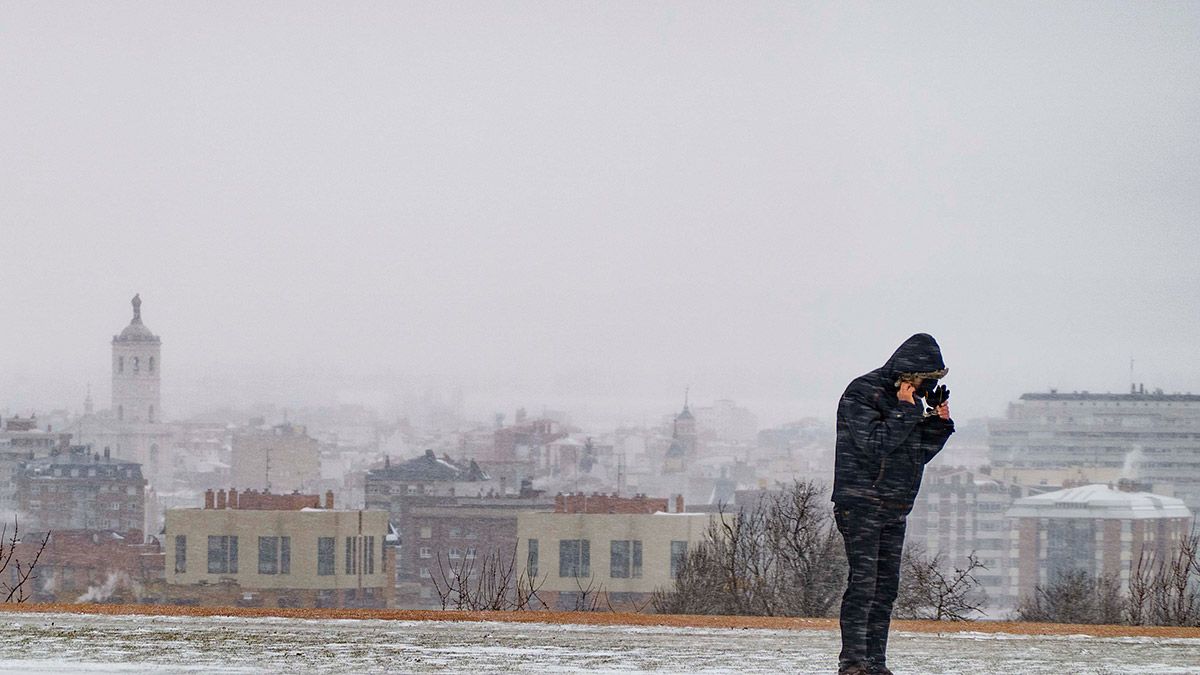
62 643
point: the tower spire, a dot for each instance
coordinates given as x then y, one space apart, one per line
137 307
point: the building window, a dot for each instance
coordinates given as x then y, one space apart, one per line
351 555
268 555
455 533
424 573
151 364
574 558
369 556
137 364
325 556
426 552
625 559
470 553
222 555
285 555
679 551
531 561
426 532
181 554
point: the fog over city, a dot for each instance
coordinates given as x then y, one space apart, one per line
404 314
590 207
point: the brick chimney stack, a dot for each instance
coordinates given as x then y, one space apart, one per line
329 499
208 497
233 498
679 503
221 499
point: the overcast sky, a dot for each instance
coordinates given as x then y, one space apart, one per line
593 205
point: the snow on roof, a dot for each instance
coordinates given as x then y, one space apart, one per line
1099 501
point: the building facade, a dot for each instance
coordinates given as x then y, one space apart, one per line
1095 528
282 458
227 554
959 512
580 561
1149 437
78 489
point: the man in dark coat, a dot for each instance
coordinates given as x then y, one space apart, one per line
884 440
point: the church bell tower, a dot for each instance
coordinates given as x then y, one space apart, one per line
136 362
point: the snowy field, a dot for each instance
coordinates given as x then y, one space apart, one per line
69 643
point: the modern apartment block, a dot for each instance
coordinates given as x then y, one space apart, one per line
1094 528
278 550
1054 438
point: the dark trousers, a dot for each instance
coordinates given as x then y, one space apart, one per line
874 538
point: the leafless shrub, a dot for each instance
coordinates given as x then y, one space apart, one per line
781 556
587 599
929 589
1165 590
1071 597
488 583
17 575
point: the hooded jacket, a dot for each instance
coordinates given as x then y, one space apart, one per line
883 444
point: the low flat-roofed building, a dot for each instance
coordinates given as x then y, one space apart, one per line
1094 528
226 554
618 560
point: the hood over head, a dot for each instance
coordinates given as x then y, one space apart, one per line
920 356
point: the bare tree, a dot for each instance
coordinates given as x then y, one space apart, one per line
1165 590
809 550
17 574
492 582
929 589
780 556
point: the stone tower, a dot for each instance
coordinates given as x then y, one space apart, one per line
136 363
685 429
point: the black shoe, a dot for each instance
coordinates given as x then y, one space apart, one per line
879 669
854 669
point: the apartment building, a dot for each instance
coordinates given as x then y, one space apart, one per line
259 549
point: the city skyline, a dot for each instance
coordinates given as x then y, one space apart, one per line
568 205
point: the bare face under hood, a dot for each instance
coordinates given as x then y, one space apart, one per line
919 356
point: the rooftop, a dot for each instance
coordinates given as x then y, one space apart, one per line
1099 501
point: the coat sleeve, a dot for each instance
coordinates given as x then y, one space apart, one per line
874 432
935 431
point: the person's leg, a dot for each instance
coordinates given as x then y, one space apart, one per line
891 545
860 532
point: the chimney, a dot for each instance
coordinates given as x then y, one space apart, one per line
560 505
106 452
208 495
329 499
679 503
221 498
503 486
233 498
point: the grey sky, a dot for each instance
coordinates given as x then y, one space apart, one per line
594 204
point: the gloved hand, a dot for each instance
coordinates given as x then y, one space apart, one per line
938 396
